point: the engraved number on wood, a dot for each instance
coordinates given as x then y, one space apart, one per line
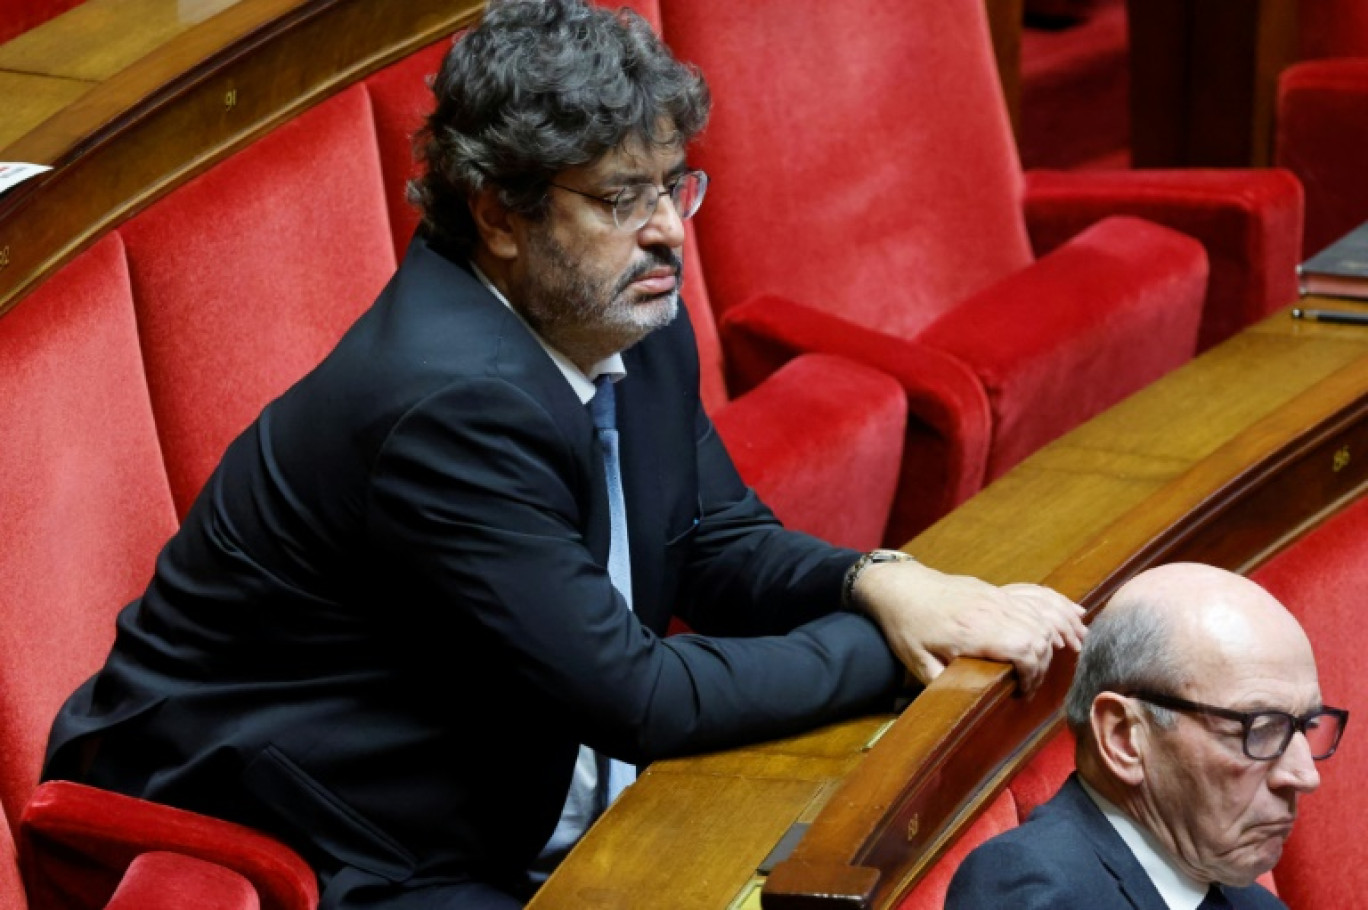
1341 460
913 826
4 256
230 99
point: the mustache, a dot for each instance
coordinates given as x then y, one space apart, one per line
656 257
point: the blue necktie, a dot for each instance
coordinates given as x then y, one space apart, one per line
614 776
604 411
597 779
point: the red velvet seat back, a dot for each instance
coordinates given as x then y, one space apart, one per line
861 155
83 493
245 277
1321 579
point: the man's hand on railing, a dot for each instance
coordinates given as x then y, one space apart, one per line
929 618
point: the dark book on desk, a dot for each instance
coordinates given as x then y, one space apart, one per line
1339 270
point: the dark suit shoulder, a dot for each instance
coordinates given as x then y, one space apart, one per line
1028 869
1065 855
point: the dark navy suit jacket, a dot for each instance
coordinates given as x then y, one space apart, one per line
1067 856
386 624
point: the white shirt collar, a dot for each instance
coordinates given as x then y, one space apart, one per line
1179 890
581 383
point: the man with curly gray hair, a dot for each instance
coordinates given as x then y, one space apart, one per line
415 624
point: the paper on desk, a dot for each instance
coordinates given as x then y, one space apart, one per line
16 172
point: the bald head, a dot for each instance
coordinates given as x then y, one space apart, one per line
1215 620
1175 624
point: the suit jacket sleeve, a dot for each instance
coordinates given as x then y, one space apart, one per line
478 500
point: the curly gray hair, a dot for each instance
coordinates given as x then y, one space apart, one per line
540 86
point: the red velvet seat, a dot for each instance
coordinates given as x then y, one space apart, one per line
821 441
83 492
863 167
245 277
205 885
87 506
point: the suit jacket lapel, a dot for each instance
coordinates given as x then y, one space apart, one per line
524 362
1131 879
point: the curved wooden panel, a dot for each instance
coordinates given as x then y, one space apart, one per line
188 102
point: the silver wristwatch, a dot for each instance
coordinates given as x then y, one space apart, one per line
853 573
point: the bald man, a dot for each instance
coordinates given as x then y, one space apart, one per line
1199 721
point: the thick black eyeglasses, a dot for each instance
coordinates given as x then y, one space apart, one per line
634 205
1268 732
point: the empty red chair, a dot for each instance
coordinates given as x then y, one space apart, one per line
821 441
867 201
87 506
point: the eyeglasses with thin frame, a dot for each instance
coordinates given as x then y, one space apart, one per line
633 206
1267 733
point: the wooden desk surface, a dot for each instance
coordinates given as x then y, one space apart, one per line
692 832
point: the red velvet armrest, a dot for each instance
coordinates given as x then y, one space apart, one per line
1249 221
766 331
821 440
945 400
1062 340
76 842
174 881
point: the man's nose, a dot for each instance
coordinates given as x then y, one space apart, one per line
664 226
1295 768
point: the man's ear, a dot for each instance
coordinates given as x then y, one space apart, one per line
493 221
1120 734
